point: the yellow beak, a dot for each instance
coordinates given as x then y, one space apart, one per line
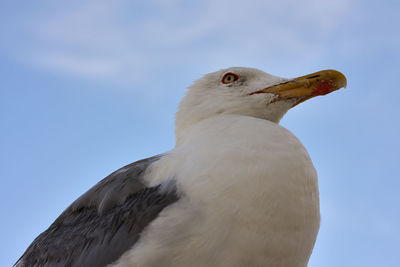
308 86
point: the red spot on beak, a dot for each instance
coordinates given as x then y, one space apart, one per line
324 87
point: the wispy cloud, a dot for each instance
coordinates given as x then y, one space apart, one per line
73 64
111 40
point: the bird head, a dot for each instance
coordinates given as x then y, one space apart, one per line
251 92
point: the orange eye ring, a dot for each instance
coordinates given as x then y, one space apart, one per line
229 78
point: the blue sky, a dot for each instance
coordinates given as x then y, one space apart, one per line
89 86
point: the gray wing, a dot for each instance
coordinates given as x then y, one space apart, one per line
102 224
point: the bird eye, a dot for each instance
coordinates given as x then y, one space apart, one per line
229 78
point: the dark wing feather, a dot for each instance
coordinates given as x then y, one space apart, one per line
103 223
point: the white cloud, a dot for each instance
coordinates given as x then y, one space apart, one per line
72 64
114 39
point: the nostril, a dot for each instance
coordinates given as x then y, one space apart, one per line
312 77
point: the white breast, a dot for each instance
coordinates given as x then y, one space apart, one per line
251 199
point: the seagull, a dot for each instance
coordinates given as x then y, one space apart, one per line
237 190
